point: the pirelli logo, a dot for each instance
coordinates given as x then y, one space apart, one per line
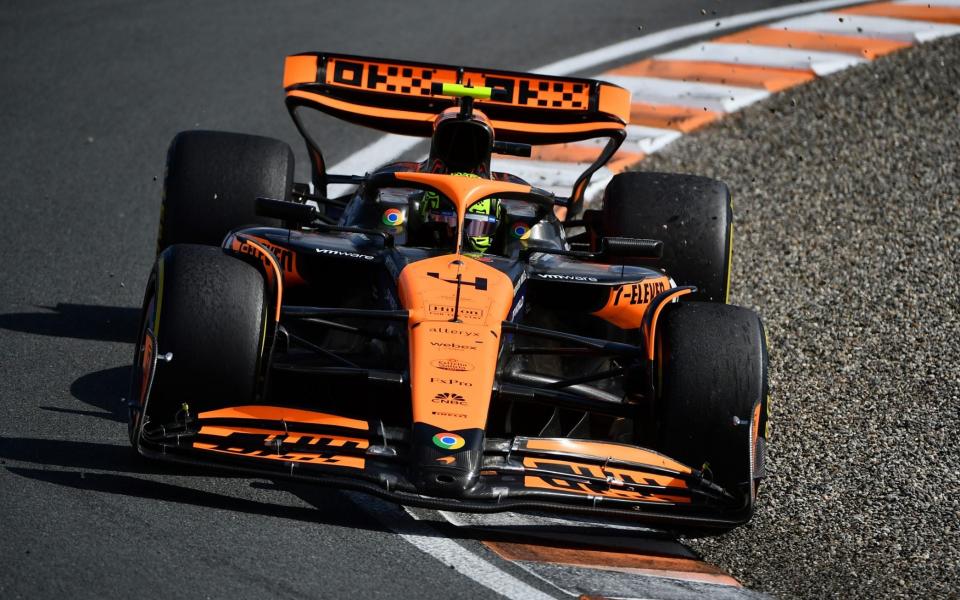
413 80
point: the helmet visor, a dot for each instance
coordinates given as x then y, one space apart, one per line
447 217
475 225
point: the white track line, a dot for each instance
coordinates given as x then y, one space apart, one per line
903 30
692 94
448 552
821 63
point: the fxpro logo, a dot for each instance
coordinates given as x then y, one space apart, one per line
561 277
451 381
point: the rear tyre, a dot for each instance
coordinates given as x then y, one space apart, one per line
712 391
212 181
692 215
210 318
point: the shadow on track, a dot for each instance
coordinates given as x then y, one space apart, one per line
131 475
81 321
126 478
100 389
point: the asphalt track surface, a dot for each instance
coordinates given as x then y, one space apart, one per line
92 94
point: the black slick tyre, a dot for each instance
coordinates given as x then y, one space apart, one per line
712 391
692 215
207 309
212 181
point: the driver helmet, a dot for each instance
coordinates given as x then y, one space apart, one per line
480 224
480 221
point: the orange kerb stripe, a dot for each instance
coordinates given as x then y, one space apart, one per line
574 153
644 564
916 12
769 78
665 116
807 40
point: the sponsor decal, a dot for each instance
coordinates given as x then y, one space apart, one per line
344 253
520 230
451 381
452 364
448 441
441 413
638 293
547 93
479 282
285 257
567 277
446 310
517 308
446 460
449 398
453 331
452 346
623 479
393 217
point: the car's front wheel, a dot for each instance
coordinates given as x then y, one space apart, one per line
206 310
711 369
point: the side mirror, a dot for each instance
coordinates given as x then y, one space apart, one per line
512 148
293 212
631 247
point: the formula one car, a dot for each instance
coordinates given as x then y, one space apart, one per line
449 336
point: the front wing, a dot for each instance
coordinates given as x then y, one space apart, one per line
604 479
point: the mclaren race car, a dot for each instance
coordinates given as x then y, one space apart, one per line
446 335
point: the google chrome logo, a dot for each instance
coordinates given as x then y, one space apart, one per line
520 230
393 217
449 441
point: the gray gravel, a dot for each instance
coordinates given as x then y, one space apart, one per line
847 207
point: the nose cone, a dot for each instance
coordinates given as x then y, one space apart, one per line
446 463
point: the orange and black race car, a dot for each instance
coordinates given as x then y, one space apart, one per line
446 335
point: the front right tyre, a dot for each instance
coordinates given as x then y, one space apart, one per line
207 309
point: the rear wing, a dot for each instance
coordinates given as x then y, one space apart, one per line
396 96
